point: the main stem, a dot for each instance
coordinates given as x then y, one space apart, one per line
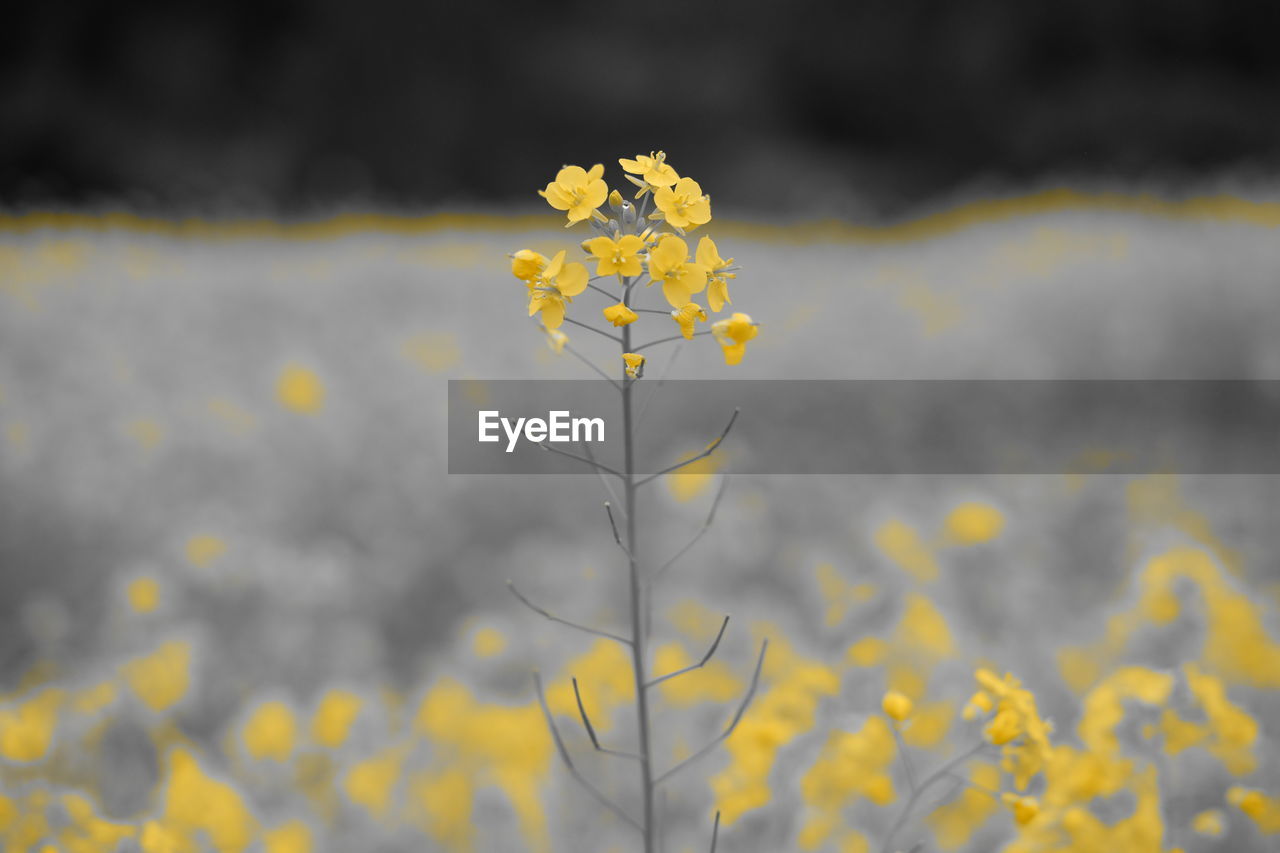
637 605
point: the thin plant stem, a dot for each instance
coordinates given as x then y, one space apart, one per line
715 831
941 773
591 328
541 611
591 364
665 340
629 485
573 770
702 531
906 759
699 665
594 464
733 723
591 730
711 448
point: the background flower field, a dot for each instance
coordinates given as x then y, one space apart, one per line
244 607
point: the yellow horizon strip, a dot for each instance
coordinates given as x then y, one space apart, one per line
1223 208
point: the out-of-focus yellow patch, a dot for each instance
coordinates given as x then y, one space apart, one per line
270 731
508 747
973 523
300 390
604 679
488 642
446 800
954 823
901 543
161 678
695 621
147 432
1210 822
334 716
87 832
839 594
291 837
778 715
370 783
936 311
91 700
867 652
923 629
695 478
852 765
16 433
1261 809
202 550
929 725
27 727
143 594
1104 705
714 682
433 352
195 802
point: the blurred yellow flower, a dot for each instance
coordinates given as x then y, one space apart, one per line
556 340
162 678
620 314
683 206
144 594
686 316
733 334
269 731
616 255
1024 809
556 285
577 191
719 271
334 716
896 706
669 264
27 728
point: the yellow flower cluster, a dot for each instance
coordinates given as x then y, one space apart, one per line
632 247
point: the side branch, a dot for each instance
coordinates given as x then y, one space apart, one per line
591 732
715 831
594 464
591 457
568 762
691 667
554 618
589 327
666 340
733 724
706 525
617 537
711 448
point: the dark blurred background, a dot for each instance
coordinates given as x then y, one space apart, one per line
867 107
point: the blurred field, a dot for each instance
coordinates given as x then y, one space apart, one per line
222 486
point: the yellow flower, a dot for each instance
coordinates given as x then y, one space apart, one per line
733 334
1024 809
669 264
620 314
1016 719
653 171
527 264
896 705
556 339
554 286
635 364
577 192
686 316
1004 727
979 705
616 256
683 206
719 271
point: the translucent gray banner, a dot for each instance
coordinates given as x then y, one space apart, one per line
871 427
